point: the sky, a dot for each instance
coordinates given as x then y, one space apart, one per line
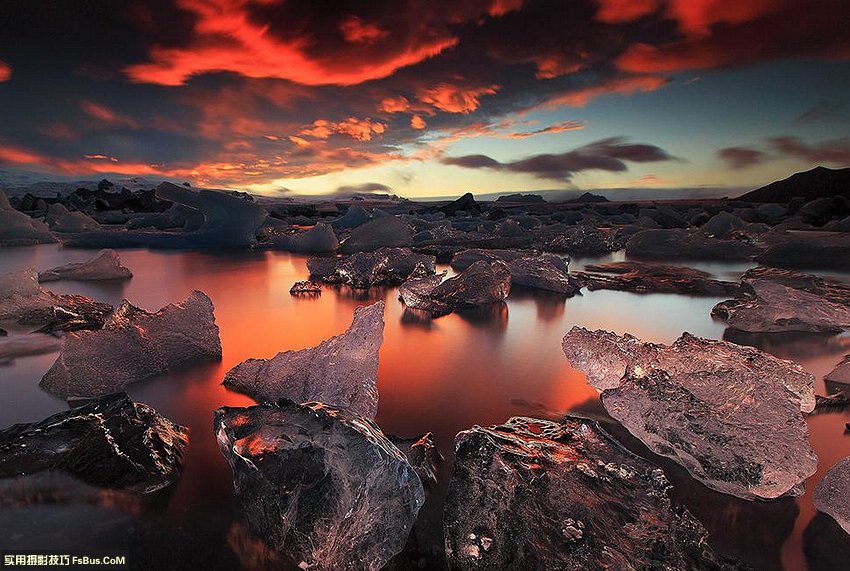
426 98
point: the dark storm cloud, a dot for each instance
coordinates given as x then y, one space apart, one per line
606 155
364 188
835 152
741 157
241 91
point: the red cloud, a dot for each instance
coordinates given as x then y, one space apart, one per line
724 33
622 85
394 104
228 36
5 71
554 128
107 115
454 98
620 11
356 31
417 122
357 129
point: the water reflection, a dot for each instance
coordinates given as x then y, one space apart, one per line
442 375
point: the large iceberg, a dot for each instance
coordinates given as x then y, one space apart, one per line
229 220
731 415
106 265
134 345
535 494
110 442
341 371
322 485
18 229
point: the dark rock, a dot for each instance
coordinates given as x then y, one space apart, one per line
837 400
641 277
523 198
322 485
587 197
341 371
134 345
305 287
110 442
465 203
729 414
482 283
832 495
812 250
773 300
681 244
422 454
583 240
535 494
386 231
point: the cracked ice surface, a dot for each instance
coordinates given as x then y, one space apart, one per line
341 371
134 345
729 414
482 283
319 483
536 494
110 442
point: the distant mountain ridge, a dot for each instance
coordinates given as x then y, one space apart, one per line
820 182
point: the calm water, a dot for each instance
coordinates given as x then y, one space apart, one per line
441 376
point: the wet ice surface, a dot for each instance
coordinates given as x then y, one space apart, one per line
443 376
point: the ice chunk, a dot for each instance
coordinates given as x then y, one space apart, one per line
305 287
832 495
681 244
106 265
547 272
483 283
466 258
387 231
320 238
110 442
382 267
535 494
422 454
729 414
341 371
18 229
229 220
640 277
24 302
322 485
354 217
772 300
135 345
841 373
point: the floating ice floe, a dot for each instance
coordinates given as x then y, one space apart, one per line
106 265
134 345
341 371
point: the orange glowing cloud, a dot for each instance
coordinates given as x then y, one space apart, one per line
561 127
398 104
357 129
697 16
454 98
418 123
502 7
226 38
5 71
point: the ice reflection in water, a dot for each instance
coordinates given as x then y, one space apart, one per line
442 376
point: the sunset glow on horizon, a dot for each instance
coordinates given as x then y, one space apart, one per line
426 100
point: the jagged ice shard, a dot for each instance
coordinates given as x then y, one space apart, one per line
134 345
832 495
321 484
106 265
731 415
341 371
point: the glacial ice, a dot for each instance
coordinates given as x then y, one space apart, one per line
109 442
536 494
381 267
320 238
134 345
18 229
482 283
341 371
832 494
322 485
731 415
106 265
386 231
641 277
